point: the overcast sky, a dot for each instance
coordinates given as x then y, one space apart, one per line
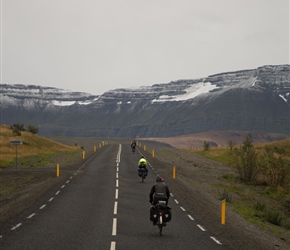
97 45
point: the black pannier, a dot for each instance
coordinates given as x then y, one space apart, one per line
167 214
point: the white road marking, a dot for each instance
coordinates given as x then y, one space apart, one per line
182 209
51 199
117 169
117 183
67 181
201 228
117 175
62 186
30 216
190 217
115 207
114 231
15 227
117 194
113 245
214 239
176 201
71 177
43 206
57 192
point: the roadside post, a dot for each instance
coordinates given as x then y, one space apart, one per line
174 172
223 215
16 143
153 153
57 170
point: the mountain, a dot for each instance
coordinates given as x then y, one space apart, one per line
245 100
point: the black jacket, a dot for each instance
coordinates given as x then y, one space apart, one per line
159 189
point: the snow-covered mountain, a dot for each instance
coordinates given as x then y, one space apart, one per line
255 99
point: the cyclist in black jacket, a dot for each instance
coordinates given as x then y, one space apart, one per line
159 191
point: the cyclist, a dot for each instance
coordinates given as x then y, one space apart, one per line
159 191
142 163
133 146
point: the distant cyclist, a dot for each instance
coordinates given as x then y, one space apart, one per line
142 163
133 146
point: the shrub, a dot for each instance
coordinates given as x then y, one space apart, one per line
275 169
225 195
274 217
32 129
206 145
245 160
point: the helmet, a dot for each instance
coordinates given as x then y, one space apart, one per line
159 179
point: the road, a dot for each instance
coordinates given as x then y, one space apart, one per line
104 205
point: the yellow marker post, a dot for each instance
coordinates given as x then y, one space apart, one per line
153 153
57 170
144 147
95 148
174 172
83 154
223 217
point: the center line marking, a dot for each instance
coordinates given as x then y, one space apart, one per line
113 245
115 207
117 194
114 231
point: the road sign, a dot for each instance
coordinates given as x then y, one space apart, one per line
16 142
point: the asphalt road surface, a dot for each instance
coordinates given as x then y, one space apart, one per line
104 205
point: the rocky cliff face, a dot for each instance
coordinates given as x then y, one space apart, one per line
256 99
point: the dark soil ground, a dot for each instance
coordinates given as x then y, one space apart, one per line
193 187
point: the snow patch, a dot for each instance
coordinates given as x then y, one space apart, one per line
191 92
63 103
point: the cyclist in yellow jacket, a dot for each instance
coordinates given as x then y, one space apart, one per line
142 163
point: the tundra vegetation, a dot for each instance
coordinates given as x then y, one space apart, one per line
262 180
36 151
